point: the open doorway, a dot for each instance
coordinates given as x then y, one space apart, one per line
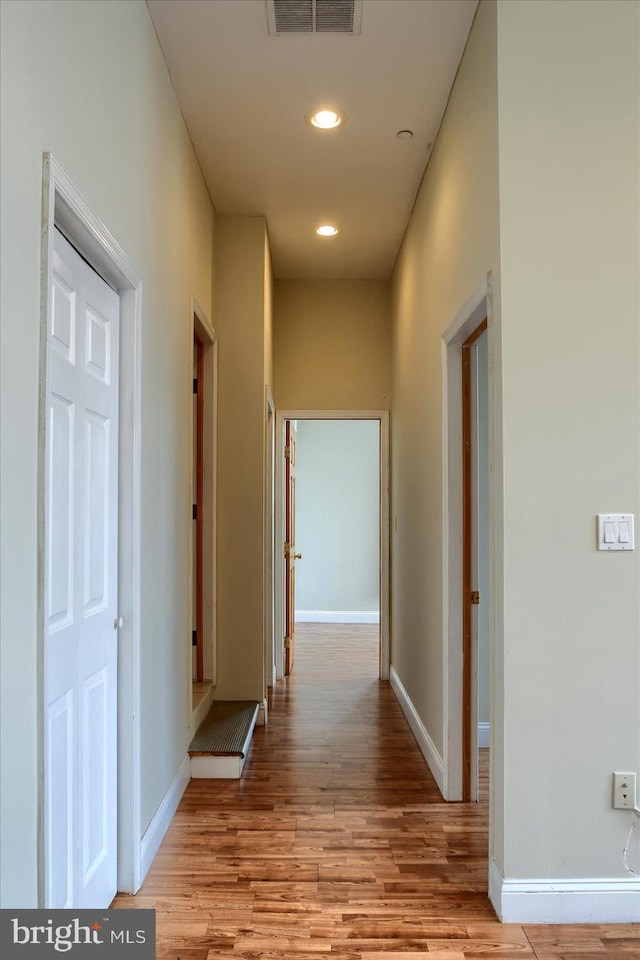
333 493
337 521
202 635
467 546
476 564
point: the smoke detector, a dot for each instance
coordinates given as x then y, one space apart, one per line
290 17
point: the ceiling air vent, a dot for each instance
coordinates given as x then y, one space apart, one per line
290 17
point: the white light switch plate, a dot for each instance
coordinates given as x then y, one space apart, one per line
615 531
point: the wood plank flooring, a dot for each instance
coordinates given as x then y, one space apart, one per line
336 843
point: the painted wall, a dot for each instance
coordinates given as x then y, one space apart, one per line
559 228
337 515
86 81
332 345
243 324
451 242
569 223
267 307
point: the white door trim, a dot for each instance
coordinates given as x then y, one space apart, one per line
383 417
269 549
465 322
64 206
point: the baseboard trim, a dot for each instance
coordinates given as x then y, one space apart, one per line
154 834
597 900
426 744
484 734
337 616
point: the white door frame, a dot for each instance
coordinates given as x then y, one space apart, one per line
467 319
383 417
64 206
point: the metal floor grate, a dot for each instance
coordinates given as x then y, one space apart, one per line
226 730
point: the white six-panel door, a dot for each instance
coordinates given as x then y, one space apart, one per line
81 555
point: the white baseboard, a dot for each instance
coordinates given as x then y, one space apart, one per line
337 616
484 734
154 834
564 901
426 744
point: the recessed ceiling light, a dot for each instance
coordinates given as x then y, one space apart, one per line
404 134
327 230
325 118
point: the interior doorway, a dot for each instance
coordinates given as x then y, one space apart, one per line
197 515
468 588
326 574
476 561
269 543
91 589
202 574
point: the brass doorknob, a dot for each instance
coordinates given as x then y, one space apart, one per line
297 556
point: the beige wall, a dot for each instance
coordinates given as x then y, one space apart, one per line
450 245
570 218
242 319
559 229
332 345
87 82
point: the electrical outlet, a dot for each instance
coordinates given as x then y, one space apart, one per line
624 791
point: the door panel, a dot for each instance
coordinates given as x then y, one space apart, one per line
60 796
81 582
95 784
96 514
60 510
98 352
63 309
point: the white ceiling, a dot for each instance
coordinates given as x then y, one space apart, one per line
244 95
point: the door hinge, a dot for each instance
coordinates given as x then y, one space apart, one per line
475 597
194 511
287 453
194 638
195 385
287 643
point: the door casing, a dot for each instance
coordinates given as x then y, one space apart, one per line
383 417
203 330
269 543
64 206
462 327
470 572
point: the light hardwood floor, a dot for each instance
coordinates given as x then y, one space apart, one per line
336 843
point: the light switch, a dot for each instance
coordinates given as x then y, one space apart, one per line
615 531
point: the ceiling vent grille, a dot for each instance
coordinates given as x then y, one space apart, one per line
290 17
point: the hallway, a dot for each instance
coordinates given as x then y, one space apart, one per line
336 842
